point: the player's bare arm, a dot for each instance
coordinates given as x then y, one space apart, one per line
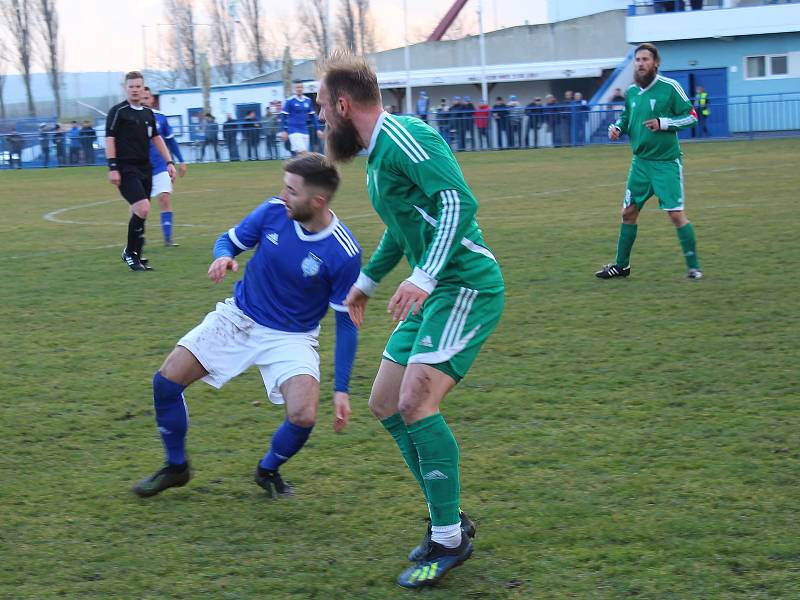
220 267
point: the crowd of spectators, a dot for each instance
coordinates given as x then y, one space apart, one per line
508 123
466 124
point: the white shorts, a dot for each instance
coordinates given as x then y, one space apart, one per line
228 342
161 183
298 142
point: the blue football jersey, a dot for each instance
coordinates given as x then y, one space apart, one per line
294 275
164 129
296 113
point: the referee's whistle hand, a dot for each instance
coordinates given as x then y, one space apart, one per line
114 178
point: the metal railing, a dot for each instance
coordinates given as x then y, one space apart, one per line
531 126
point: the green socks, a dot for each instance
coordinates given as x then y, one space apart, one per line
397 428
686 238
627 235
438 467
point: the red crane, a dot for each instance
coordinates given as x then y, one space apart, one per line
445 23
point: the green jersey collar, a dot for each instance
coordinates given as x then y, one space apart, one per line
376 131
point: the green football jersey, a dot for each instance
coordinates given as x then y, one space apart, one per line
418 190
665 100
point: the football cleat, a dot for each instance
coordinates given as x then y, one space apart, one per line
166 477
170 244
273 483
134 262
467 528
435 564
610 271
694 274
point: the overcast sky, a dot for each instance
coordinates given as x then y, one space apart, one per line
108 35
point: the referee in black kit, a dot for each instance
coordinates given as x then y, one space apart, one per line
129 128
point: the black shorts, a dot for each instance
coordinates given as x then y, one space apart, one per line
136 181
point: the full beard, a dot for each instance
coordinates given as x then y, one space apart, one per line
644 79
341 142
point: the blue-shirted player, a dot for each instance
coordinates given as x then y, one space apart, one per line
162 184
305 261
297 111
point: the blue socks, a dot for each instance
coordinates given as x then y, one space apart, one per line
172 417
286 442
166 225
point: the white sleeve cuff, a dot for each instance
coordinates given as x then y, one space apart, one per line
663 123
614 126
422 280
365 284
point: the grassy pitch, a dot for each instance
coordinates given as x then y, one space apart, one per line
633 438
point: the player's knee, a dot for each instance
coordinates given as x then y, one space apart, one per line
303 416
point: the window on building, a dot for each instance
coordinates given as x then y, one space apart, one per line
762 67
756 67
779 65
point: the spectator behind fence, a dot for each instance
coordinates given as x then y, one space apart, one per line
533 111
230 131
44 144
88 136
271 133
515 113
60 144
456 123
423 105
443 119
500 118
74 136
15 146
252 129
481 119
552 119
210 136
469 129
581 118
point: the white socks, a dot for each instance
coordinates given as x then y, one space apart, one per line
448 536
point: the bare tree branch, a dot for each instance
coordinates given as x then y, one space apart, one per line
182 40
346 30
314 26
51 58
253 33
222 38
355 30
17 15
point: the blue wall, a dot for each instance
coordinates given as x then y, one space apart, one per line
710 53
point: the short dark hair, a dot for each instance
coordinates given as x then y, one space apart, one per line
134 75
316 170
348 75
147 89
651 48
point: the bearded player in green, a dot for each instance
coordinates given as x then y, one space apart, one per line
446 308
656 108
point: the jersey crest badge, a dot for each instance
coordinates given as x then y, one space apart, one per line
273 237
652 103
310 265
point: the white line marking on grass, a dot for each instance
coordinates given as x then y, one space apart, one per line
53 216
